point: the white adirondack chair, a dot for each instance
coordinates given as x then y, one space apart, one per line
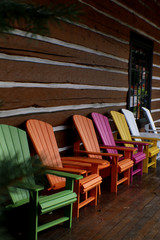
151 126
135 131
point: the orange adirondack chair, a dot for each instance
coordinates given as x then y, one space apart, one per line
44 142
89 139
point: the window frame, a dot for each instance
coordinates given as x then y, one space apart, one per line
146 44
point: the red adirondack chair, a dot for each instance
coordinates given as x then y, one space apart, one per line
44 142
89 139
105 133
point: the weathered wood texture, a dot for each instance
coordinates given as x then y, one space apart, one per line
81 67
19 98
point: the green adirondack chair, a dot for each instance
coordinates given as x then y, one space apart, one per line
14 145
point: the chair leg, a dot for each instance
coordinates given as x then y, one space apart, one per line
154 161
76 204
99 190
94 193
68 213
33 220
131 175
140 166
145 165
127 174
146 160
114 178
85 196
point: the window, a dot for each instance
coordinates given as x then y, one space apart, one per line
140 74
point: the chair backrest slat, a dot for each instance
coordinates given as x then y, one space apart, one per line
87 134
121 124
104 130
45 144
14 145
131 123
150 119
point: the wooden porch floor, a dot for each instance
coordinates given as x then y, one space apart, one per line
132 214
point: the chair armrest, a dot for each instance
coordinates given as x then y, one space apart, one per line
57 172
130 149
77 165
61 173
85 160
150 134
153 131
157 129
146 138
30 187
99 153
132 142
148 129
114 156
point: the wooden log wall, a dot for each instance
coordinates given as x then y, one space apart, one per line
81 67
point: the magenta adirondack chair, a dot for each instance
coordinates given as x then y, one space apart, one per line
105 132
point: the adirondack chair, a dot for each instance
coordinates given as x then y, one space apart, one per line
149 150
105 133
44 142
14 145
141 136
151 130
151 127
89 139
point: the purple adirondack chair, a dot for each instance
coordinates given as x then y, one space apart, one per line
102 124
